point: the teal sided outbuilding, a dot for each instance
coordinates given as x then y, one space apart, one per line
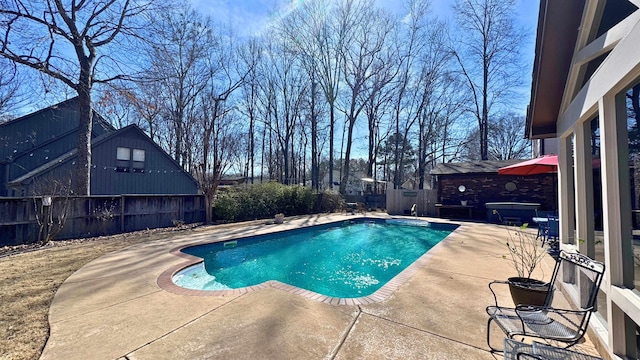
39 150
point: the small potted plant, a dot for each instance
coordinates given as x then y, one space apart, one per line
525 255
279 218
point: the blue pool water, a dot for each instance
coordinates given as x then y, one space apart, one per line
345 260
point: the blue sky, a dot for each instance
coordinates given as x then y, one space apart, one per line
251 16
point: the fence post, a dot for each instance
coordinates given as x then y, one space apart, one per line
46 210
121 213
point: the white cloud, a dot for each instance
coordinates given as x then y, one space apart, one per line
247 17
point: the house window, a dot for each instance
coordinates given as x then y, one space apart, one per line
123 159
138 160
124 153
130 160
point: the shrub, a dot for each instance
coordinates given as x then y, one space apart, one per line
226 206
265 200
330 201
297 200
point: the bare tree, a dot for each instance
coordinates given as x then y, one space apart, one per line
507 141
440 138
366 64
114 104
43 34
217 147
251 55
376 109
285 86
318 34
146 101
301 32
420 61
488 56
180 42
433 99
216 136
9 88
51 218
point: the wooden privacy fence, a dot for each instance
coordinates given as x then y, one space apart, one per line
399 201
24 220
371 201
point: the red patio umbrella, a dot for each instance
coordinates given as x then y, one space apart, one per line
541 165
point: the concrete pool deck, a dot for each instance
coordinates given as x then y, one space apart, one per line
113 308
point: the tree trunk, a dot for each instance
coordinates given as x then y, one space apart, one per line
396 155
331 144
208 213
373 138
421 155
250 160
484 129
315 170
347 155
262 153
82 174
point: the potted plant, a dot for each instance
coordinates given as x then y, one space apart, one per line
279 218
525 255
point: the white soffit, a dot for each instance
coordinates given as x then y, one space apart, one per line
615 74
607 40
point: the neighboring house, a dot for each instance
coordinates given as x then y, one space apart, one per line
336 180
229 182
586 71
39 149
358 184
411 183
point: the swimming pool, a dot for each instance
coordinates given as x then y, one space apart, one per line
343 260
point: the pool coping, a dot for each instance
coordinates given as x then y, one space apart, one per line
112 308
165 279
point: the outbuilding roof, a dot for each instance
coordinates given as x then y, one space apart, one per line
475 167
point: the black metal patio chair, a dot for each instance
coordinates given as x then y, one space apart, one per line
552 233
541 219
553 321
516 350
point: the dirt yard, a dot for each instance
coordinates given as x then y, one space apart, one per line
31 275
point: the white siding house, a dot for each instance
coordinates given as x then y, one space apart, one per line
586 67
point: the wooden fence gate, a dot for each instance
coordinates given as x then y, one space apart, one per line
400 201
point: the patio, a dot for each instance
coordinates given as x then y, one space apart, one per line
113 308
